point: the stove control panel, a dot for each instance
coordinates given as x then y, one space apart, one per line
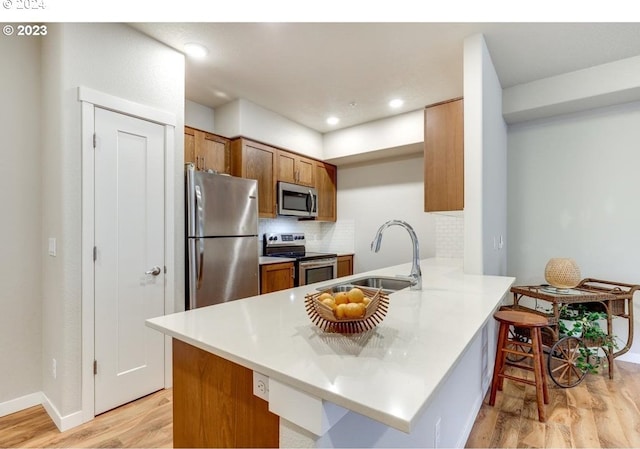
288 239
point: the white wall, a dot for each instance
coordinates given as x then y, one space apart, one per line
116 60
199 116
485 167
573 192
20 226
599 86
244 118
385 136
370 193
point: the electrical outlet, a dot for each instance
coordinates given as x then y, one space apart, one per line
54 368
261 386
436 434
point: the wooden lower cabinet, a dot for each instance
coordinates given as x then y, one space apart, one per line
276 276
345 265
214 404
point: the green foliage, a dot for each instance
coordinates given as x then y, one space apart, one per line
585 325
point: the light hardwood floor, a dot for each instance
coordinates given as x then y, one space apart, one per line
598 413
146 423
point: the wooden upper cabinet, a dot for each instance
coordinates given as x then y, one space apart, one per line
267 164
444 156
257 161
190 145
206 151
326 185
295 169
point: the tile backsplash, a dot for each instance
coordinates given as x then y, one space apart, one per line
340 236
449 236
321 236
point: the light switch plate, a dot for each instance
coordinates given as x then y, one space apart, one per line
52 246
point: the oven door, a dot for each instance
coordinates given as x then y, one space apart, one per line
318 270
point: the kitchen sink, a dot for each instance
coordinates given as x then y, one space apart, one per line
388 284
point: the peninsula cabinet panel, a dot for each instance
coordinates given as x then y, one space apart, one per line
214 404
206 151
295 169
254 160
276 276
326 185
444 156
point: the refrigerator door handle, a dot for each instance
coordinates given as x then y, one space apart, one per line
200 262
199 225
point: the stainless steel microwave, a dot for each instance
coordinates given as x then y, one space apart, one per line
297 200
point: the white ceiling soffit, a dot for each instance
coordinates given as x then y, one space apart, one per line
308 71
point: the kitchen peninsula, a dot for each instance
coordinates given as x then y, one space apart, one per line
415 380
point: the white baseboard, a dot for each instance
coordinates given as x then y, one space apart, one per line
21 403
62 422
629 357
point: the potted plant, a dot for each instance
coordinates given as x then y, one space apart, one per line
577 320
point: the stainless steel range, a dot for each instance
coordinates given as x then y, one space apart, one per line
310 267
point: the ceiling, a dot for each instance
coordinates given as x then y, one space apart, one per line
309 71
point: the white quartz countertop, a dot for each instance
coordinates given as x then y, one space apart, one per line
388 373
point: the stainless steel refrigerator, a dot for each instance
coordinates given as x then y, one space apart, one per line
222 238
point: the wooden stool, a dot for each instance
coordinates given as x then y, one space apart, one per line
533 323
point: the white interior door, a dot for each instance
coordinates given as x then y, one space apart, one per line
129 263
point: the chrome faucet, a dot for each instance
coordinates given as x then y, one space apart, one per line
416 274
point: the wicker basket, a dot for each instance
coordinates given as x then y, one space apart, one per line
324 317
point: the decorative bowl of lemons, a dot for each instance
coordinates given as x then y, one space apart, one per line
350 310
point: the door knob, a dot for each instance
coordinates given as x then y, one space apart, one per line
154 271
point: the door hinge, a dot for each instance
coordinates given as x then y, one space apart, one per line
95 140
165 269
95 367
95 253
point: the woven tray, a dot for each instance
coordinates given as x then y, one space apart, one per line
323 316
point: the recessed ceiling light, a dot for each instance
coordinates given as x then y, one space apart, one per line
396 103
333 120
220 94
195 50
